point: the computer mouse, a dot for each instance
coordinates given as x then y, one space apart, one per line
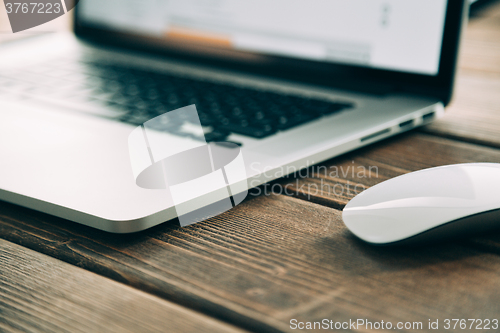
428 205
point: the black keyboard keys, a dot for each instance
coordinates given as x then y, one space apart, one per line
223 108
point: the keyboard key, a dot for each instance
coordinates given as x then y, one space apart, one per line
216 136
285 122
251 131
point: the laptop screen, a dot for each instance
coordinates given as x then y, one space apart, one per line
400 35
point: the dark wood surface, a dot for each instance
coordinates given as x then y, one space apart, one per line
280 257
275 258
333 183
40 293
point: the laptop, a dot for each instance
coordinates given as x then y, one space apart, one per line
290 83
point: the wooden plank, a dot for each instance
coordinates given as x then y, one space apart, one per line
481 45
43 294
273 259
481 41
336 181
473 114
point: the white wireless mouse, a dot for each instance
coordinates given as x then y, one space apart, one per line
427 205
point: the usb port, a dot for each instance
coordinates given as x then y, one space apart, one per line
406 123
371 136
428 116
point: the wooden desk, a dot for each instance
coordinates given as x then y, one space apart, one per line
273 258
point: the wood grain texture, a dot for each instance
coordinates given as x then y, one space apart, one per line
473 114
272 259
42 294
481 46
336 181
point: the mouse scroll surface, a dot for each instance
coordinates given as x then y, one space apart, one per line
417 202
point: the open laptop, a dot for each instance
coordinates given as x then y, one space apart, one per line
293 83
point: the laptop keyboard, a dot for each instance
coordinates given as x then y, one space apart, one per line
135 95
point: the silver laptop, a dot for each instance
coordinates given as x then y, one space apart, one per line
291 83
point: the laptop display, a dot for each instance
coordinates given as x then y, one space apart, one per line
394 35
